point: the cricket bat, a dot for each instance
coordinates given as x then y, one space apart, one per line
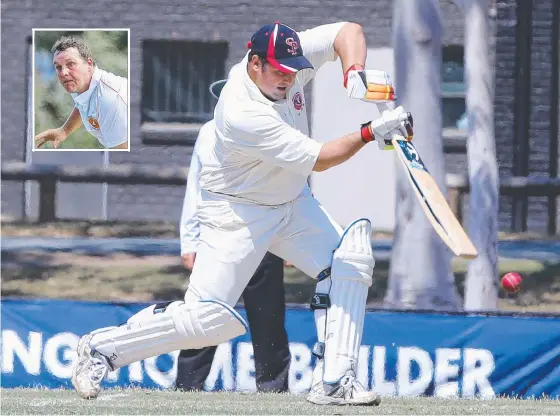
432 200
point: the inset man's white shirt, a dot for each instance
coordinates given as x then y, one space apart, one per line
263 153
104 108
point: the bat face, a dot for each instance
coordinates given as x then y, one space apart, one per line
411 155
432 200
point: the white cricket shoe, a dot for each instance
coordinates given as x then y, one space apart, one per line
89 371
347 392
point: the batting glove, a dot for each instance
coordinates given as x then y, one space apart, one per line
391 123
369 85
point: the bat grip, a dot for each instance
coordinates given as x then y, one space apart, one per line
385 106
405 117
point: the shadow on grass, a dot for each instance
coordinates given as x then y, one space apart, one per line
39 275
91 228
29 266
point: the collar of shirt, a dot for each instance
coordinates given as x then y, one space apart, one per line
84 97
254 91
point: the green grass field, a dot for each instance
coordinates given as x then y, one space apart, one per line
167 402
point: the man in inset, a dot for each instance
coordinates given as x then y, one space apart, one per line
100 97
255 198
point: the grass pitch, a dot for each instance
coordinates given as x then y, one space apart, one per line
168 402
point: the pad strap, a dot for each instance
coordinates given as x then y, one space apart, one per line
324 274
318 350
320 301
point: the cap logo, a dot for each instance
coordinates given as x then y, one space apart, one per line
293 46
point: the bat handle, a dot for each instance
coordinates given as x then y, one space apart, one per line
385 106
382 107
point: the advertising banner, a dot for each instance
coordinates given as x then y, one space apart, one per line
403 353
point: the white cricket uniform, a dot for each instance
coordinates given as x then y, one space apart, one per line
254 194
104 108
189 228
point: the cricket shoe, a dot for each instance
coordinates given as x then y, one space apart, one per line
346 392
90 369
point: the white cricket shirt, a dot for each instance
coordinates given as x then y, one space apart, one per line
263 153
104 108
189 228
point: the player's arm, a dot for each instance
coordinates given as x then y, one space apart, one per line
350 46
328 42
337 151
262 133
73 123
57 136
368 85
347 41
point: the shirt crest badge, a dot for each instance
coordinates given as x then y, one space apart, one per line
93 123
298 101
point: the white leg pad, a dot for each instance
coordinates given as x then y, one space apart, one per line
351 276
152 332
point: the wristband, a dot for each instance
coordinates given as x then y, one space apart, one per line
365 131
356 67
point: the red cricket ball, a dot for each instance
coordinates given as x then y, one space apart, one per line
511 282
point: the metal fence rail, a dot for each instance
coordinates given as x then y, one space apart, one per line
49 175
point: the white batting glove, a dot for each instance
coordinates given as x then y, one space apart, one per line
369 85
391 122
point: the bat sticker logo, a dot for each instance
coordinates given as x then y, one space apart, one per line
412 151
412 155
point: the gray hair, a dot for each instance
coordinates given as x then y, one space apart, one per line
67 42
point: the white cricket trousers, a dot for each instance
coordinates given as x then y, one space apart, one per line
234 237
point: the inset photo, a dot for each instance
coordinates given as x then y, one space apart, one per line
81 84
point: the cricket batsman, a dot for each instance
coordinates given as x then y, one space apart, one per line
255 198
264 297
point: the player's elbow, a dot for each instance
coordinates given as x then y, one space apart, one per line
354 28
327 157
351 31
320 166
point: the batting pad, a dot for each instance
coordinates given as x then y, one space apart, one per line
351 276
154 331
